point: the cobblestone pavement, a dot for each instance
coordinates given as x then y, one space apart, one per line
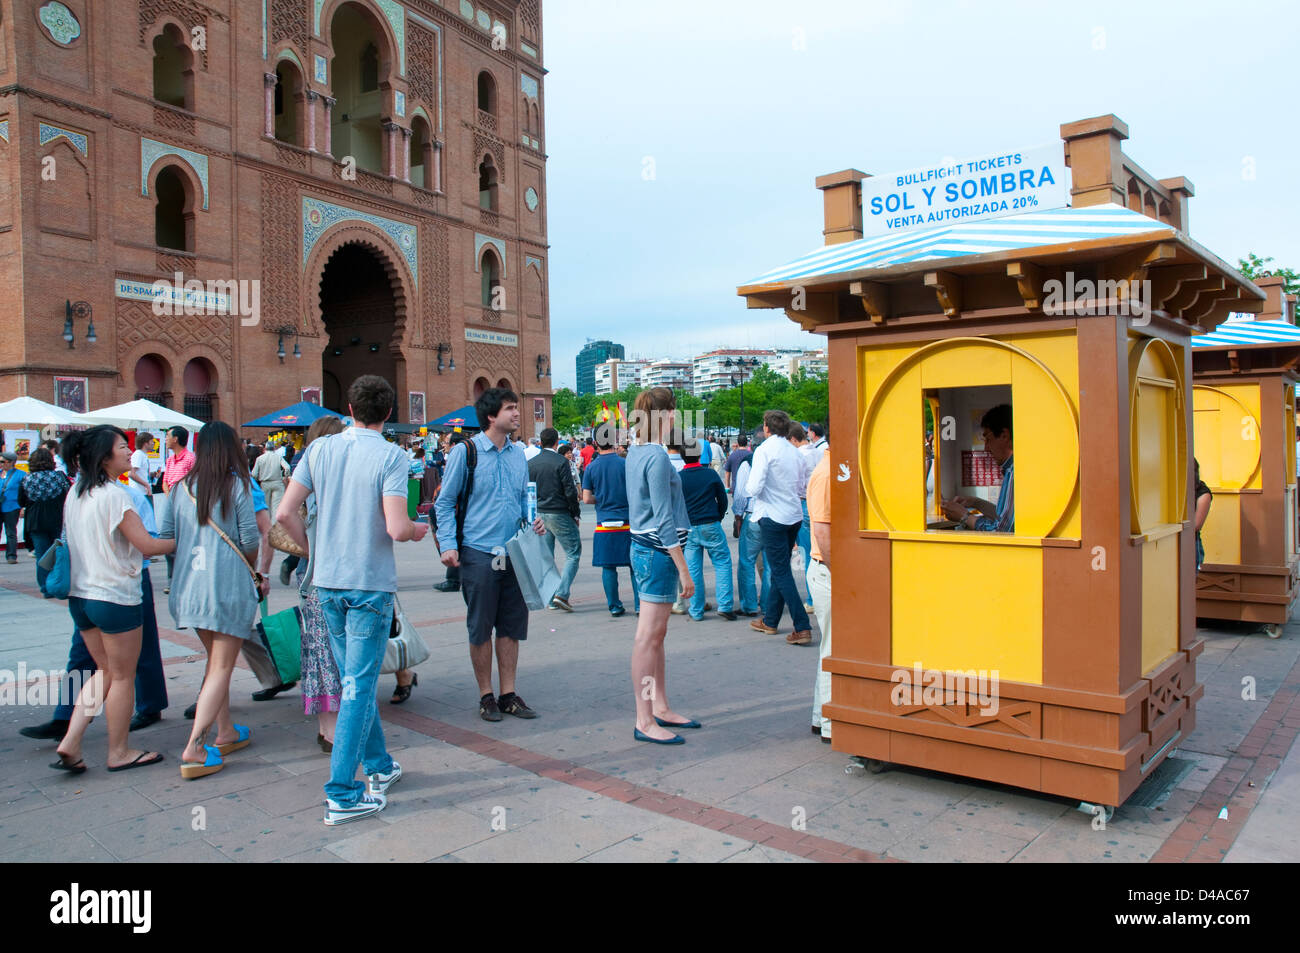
752 786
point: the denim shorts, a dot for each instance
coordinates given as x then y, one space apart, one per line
656 574
108 617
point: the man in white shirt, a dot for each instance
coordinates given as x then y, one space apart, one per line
139 472
749 600
777 473
534 448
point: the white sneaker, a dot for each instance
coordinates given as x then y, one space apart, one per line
378 784
369 804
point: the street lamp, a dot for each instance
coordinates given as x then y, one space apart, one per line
743 363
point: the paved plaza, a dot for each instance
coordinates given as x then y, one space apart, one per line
753 786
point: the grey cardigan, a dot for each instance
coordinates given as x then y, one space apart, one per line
656 508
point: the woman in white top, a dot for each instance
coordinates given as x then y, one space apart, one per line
106 542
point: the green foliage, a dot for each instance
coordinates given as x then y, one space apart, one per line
1252 267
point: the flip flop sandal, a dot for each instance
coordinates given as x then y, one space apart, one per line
72 767
245 739
139 762
191 769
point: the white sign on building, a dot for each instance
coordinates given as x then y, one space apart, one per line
947 193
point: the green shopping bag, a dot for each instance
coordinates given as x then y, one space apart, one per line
281 636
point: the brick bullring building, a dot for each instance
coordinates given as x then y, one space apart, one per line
356 186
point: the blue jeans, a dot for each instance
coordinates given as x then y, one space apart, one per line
778 541
41 542
150 685
563 527
358 621
711 537
609 578
805 540
751 544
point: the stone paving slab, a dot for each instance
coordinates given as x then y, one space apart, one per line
752 786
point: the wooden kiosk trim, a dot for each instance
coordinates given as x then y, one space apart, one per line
1087 612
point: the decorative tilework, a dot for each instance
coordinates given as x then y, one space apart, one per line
529 85
319 217
4 130
498 244
58 19
151 151
316 19
47 133
531 51
264 49
499 29
322 69
531 199
467 9
530 261
399 102
482 18
290 55
395 14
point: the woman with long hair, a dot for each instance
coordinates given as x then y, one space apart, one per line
213 591
660 524
106 544
322 689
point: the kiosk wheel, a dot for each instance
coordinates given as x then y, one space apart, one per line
1103 811
1273 630
858 764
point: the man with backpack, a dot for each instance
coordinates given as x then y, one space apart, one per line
483 501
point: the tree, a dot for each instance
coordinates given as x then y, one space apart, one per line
1253 267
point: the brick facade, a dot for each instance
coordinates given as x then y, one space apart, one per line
83 144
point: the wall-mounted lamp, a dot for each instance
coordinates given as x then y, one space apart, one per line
374 349
337 352
543 367
78 309
445 349
279 347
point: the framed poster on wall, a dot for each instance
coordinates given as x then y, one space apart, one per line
311 395
70 393
539 409
417 408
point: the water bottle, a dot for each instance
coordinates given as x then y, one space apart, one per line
532 503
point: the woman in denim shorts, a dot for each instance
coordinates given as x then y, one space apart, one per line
657 513
106 540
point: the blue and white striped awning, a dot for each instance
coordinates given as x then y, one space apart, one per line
1246 333
1065 226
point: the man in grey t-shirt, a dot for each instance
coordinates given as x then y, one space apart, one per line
359 479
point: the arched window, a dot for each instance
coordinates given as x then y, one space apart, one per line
480 386
200 381
362 65
173 68
421 154
288 103
487 93
173 221
491 277
487 184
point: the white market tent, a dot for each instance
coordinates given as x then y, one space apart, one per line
140 415
26 411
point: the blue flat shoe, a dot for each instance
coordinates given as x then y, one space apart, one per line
674 740
686 724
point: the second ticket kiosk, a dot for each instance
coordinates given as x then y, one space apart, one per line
1060 657
1245 378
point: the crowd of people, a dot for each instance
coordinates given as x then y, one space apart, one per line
661 498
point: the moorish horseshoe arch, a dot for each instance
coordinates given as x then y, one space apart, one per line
400 279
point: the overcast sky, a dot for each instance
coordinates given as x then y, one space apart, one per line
684 138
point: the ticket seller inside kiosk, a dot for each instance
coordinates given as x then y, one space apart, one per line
995 429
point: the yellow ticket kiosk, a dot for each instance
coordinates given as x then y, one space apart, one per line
1245 440
1058 656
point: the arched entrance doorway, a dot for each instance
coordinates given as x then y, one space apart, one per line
200 382
359 312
